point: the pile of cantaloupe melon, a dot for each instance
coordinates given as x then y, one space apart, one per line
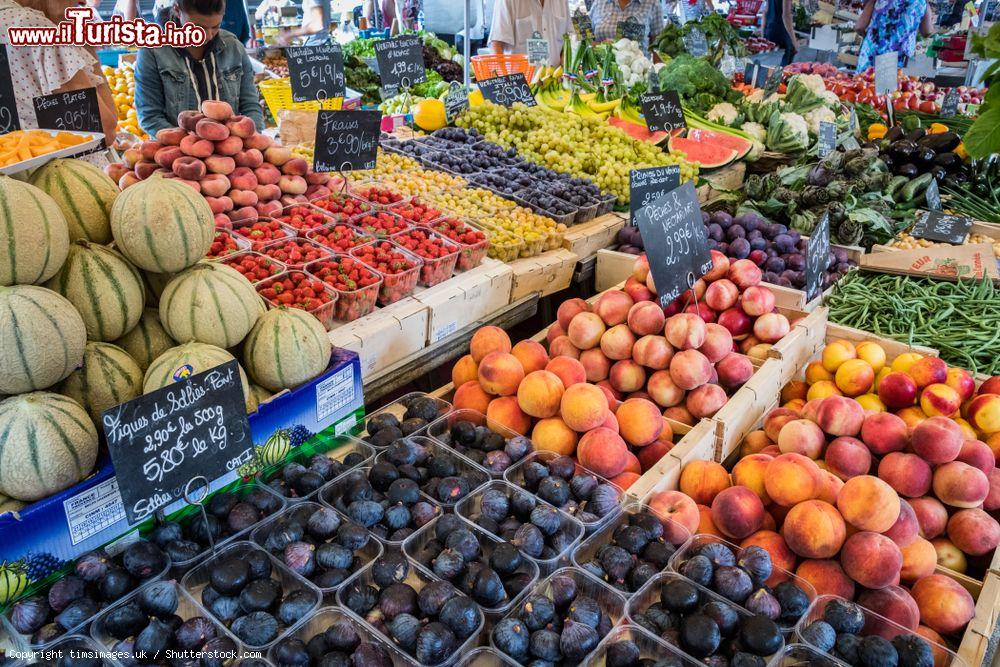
105 295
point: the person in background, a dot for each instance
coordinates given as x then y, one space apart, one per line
892 25
236 21
514 22
778 28
386 13
606 15
315 26
44 70
169 80
127 9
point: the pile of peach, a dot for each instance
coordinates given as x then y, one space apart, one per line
242 174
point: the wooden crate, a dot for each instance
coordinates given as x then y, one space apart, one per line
985 228
976 641
545 274
613 268
586 239
471 296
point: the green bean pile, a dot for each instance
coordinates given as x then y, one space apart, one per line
960 319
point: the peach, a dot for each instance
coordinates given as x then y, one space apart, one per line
539 393
868 503
188 119
960 485
251 158
720 267
836 353
871 559
870 403
803 437
650 455
639 422
744 273
277 155
721 295
584 407
219 164
269 209
897 390
146 169
827 577
553 435
553 332
814 529
563 347
681 511
243 178
815 372
626 479
465 370
927 371
531 354
653 352
739 323
172 136
569 370
470 396
613 307
757 300
945 606
795 404
293 185
166 156
267 174
984 413
823 389
685 331
217 110
243 197
837 415
486 340
872 353
932 516
690 369
506 412
949 556
705 524
854 377
214 185
937 440
257 141
962 382
241 126
218 204
229 146
295 167
115 170
734 370
754 442
585 330
632 464
627 376
703 480
646 318
992 501
847 457
706 400
596 365
616 343
776 420
718 343
771 327
611 422
974 531
940 400
749 472
192 146
638 291
796 389
902 363
737 512
640 268
189 168
792 478
132 156
908 474
267 192
569 309
602 451
679 413
919 560
831 487
663 391
884 432
782 557
894 603
244 214
978 455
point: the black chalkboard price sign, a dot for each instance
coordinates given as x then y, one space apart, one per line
773 81
400 62
456 101
645 185
8 107
675 241
817 256
827 138
943 228
316 72
950 105
508 90
75 111
162 440
662 111
346 140
583 25
630 28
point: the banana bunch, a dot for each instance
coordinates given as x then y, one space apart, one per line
546 85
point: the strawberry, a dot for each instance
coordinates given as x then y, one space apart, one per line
294 253
341 237
255 266
377 195
304 218
224 244
343 204
262 231
416 211
380 223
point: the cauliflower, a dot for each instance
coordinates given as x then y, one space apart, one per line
813 82
830 98
755 130
724 113
816 116
755 151
756 96
787 133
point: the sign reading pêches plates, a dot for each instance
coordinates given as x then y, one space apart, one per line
73 111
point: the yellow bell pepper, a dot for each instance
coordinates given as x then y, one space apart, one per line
960 152
937 128
876 131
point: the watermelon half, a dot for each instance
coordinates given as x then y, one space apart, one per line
707 155
637 131
739 144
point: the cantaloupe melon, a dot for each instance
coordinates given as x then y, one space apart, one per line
286 348
41 338
34 236
103 286
147 340
47 443
162 225
85 195
260 394
108 377
210 303
189 359
155 283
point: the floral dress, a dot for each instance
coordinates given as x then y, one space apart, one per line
893 27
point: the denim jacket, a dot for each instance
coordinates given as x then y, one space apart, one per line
163 86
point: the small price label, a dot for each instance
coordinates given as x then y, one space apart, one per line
630 28
662 111
773 81
316 72
949 107
74 111
817 256
583 25
675 241
696 43
538 49
886 73
346 140
507 90
456 101
645 185
827 138
851 143
400 62
750 73
933 196
943 228
8 106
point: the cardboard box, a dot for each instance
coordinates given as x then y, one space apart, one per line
385 336
946 262
90 514
467 298
545 274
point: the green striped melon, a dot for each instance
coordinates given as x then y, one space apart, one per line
192 358
108 377
260 394
286 347
211 303
275 449
34 236
103 286
162 225
147 340
47 444
13 579
84 193
155 283
41 338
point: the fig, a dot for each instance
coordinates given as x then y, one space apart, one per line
65 591
255 629
435 643
144 559
296 605
462 616
154 637
115 584
403 630
300 557
260 595
397 599
194 633
391 567
323 523
29 615
91 566
125 621
230 576
577 640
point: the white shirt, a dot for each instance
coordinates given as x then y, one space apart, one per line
514 21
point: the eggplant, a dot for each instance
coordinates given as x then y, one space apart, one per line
949 161
925 156
917 134
909 170
903 150
942 142
889 162
895 133
939 173
958 179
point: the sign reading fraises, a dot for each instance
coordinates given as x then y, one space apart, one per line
346 140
